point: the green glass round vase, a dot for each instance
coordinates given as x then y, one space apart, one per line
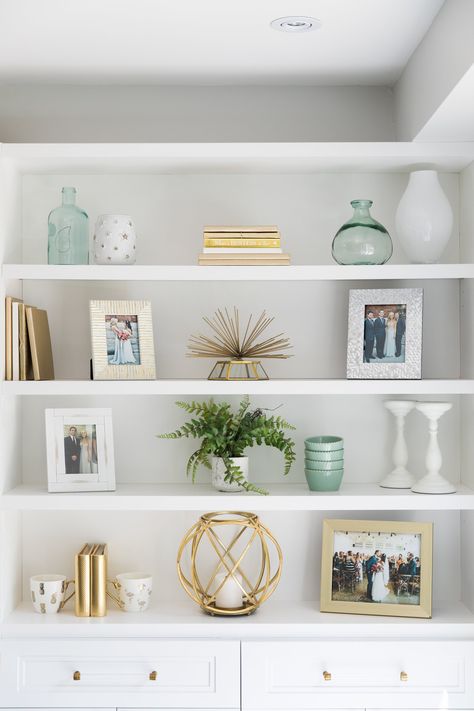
362 240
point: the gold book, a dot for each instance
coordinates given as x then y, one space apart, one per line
40 343
244 260
240 242
83 581
99 580
26 367
256 229
8 336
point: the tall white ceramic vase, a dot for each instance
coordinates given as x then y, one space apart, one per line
399 477
433 482
424 218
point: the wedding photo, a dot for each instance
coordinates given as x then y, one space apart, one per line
376 567
123 343
80 449
384 333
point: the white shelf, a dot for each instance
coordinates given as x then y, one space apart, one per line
200 497
173 272
238 157
264 387
452 620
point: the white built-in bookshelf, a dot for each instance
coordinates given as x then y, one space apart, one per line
172 191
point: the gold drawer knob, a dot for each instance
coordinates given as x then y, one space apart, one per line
327 676
153 676
403 676
77 676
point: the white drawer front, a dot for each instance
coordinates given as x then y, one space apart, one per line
294 675
189 674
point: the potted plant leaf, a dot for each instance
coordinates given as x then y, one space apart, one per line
225 435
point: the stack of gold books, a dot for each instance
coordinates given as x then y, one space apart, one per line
28 354
224 245
91 580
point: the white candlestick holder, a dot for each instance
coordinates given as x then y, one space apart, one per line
433 482
399 477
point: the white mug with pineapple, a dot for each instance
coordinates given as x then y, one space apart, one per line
48 593
134 591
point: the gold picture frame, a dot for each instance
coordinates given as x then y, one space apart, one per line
122 340
408 594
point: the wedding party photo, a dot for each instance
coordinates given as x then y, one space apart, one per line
384 333
80 449
376 567
123 343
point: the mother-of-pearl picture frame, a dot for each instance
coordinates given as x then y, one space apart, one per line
122 340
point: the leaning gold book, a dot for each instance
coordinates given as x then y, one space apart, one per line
8 336
26 366
83 581
40 343
99 580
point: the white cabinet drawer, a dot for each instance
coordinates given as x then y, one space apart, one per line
185 674
349 674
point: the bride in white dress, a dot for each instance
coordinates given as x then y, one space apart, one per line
123 352
390 333
86 454
379 587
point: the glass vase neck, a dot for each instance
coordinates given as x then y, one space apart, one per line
69 196
362 207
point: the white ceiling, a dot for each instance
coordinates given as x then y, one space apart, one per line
208 41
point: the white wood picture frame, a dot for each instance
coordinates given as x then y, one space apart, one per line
57 422
102 367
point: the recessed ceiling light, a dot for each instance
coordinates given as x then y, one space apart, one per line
296 23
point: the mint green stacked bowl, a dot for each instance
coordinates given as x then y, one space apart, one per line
324 462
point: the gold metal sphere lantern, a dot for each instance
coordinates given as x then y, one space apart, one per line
229 563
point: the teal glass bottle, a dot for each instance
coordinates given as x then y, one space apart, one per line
68 232
362 240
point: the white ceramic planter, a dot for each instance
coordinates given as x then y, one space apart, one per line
424 218
218 473
114 240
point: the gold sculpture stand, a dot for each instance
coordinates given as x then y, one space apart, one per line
223 370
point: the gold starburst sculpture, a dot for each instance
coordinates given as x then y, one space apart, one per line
238 349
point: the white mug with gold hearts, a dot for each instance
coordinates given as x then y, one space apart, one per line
48 593
134 590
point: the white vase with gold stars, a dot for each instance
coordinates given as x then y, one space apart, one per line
114 240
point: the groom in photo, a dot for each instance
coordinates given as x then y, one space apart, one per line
369 337
379 327
72 452
373 560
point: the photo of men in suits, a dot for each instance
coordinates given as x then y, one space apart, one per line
72 451
384 333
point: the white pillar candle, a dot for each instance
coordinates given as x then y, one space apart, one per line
229 597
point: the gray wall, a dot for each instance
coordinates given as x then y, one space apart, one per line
52 113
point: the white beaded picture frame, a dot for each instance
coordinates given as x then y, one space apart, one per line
367 360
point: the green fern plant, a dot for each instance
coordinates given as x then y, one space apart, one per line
226 434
